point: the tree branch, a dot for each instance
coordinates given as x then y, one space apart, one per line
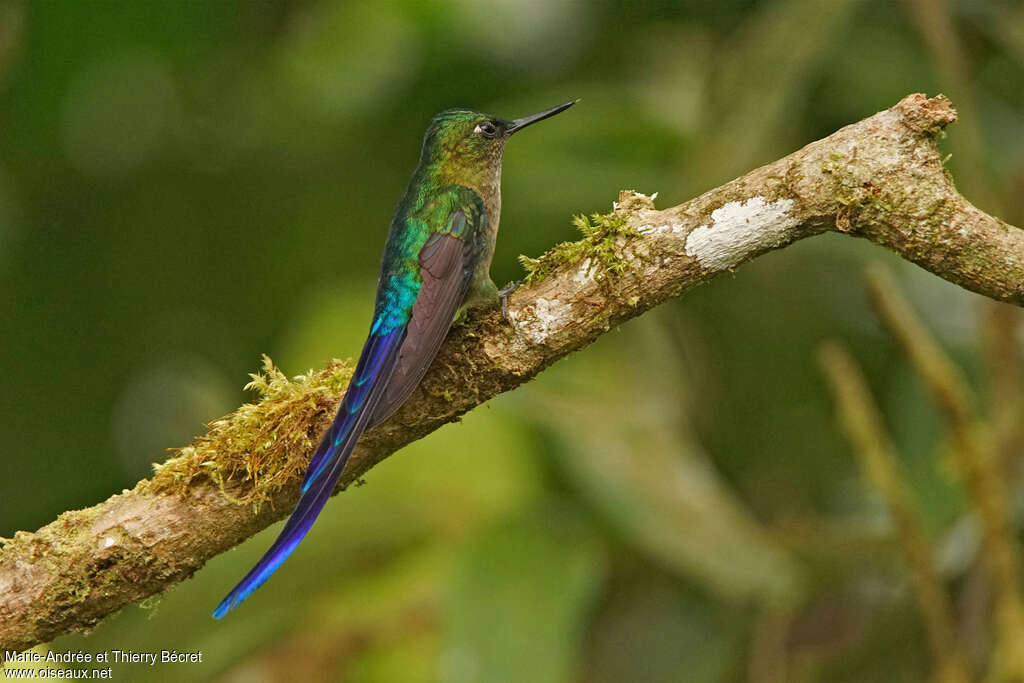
881 178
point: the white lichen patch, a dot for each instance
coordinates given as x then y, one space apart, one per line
542 319
648 229
584 275
740 229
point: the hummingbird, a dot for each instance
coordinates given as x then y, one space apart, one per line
436 262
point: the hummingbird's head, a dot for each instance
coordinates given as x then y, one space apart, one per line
472 142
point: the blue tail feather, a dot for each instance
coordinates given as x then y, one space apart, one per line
375 365
375 351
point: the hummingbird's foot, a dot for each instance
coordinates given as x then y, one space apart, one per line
503 294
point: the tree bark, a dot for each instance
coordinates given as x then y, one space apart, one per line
882 179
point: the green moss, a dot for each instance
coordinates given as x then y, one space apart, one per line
600 232
263 443
862 202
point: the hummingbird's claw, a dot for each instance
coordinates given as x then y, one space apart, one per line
504 294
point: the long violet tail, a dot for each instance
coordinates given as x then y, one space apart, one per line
366 387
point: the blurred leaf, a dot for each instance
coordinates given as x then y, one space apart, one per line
626 445
379 626
119 113
520 601
653 631
759 72
525 32
342 56
166 403
411 659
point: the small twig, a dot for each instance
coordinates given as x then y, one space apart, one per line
976 458
1006 384
769 661
877 457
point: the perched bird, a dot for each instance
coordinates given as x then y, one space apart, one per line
437 258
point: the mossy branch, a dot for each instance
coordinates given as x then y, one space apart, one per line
881 178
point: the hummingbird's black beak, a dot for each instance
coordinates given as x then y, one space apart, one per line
519 124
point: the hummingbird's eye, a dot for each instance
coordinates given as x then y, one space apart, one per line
487 129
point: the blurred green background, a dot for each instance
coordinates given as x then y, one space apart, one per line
186 185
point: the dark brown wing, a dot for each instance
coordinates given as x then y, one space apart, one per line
446 270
